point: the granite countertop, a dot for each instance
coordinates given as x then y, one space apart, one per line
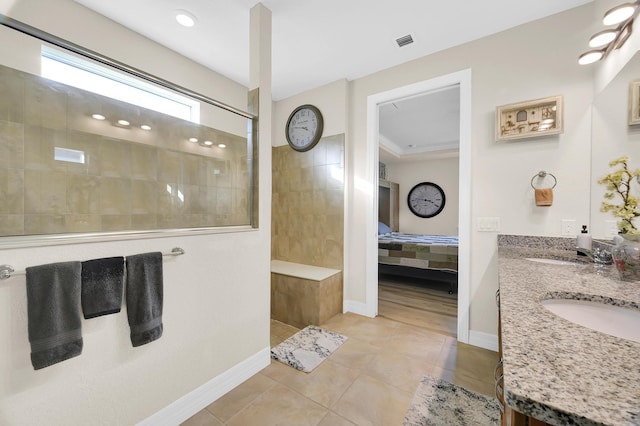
554 370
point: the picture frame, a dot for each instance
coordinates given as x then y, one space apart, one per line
634 103
530 119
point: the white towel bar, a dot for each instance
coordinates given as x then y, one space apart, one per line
7 271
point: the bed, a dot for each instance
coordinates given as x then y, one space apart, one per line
431 257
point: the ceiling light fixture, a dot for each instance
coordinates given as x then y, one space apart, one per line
208 143
184 18
194 140
123 122
98 116
619 13
221 145
612 38
145 127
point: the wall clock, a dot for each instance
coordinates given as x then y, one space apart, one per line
304 127
426 199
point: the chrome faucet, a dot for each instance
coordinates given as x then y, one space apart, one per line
599 256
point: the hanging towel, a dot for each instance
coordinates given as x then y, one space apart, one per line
53 311
544 196
102 284
144 297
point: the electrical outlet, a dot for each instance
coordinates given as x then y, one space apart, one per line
611 228
569 227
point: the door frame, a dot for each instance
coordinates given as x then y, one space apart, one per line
463 79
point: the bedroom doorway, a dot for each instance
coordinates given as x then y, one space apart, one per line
451 312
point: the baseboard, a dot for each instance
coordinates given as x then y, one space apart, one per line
483 340
188 405
356 308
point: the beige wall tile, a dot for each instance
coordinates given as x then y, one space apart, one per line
144 197
12 191
115 196
45 103
115 158
11 224
82 223
39 143
12 99
144 162
44 224
11 145
143 222
116 222
83 194
168 166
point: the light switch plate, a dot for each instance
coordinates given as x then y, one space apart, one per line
488 224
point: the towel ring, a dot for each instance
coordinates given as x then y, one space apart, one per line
542 174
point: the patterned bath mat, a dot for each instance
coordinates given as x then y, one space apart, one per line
440 403
306 349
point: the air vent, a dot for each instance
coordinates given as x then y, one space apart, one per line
404 40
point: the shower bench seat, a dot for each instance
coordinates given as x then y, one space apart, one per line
304 295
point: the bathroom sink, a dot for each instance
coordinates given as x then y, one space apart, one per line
609 319
553 261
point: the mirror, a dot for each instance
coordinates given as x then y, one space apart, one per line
612 137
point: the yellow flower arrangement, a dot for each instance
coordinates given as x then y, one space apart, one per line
619 183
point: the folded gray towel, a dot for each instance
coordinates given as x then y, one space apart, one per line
102 284
144 297
53 310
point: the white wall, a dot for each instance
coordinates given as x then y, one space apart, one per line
216 309
529 62
443 172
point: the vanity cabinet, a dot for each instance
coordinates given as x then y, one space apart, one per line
508 416
389 204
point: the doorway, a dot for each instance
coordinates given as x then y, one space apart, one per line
463 80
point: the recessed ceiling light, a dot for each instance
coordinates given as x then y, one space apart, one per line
184 18
221 145
98 116
590 57
208 143
123 122
603 38
194 140
145 127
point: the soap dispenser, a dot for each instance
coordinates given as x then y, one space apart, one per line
583 240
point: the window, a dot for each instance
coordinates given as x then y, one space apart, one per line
74 71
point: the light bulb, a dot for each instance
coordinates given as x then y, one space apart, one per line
123 122
603 38
184 18
208 143
221 145
145 127
98 116
590 57
619 14
194 140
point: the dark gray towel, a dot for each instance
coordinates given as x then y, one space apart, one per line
144 297
53 309
102 284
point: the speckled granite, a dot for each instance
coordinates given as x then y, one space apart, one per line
555 370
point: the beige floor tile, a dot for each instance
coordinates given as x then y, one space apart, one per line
416 342
237 399
280 406
355 353
332 419
467 360
324 385
372 402
484 387
279 371
202 418
376 331
340 323
399 370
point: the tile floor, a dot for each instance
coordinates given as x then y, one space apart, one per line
369 380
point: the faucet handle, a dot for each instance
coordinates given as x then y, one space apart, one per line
602 256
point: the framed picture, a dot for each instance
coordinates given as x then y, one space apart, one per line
634 103
530 119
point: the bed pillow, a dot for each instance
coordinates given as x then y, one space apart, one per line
383 229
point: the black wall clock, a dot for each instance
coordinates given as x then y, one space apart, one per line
304 127
426 199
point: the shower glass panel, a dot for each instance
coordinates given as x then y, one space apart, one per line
77 163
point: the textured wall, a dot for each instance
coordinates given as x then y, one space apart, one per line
308 204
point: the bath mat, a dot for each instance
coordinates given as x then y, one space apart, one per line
440 403
306 349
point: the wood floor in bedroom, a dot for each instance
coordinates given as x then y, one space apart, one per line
415 302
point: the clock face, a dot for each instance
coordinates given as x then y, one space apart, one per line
426 199
304 127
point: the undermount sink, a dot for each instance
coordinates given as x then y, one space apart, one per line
553 261
609 319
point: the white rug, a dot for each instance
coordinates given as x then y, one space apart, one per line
306 349
440 403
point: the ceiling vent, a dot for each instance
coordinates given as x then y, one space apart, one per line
404 40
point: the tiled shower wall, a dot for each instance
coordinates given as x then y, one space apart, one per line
308 204
131 179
